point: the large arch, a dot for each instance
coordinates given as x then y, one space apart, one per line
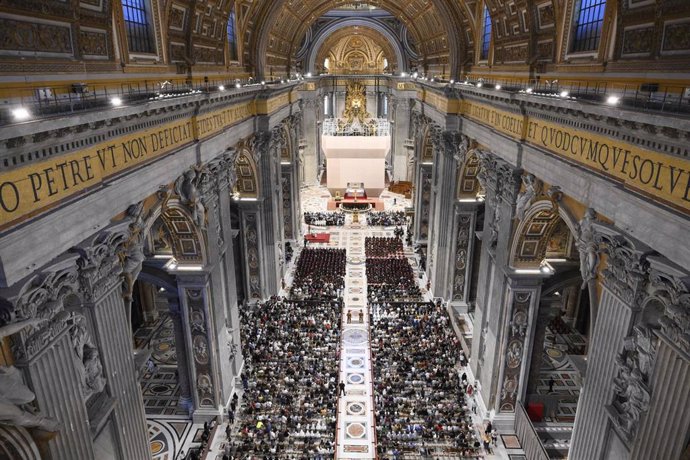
430 23
320 39
548 217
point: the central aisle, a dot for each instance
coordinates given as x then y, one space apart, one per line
356 431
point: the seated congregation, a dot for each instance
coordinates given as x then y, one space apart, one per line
389 274
289 380
423 406
319 274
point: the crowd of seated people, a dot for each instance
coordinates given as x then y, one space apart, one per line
389 274
319 274
376 246
423 406
331 219
387 218
288 408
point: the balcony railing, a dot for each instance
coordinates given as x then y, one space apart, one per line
372 127
44 102
531 443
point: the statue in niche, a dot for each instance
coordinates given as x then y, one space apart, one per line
132 252
88 361
187 188
532 188
15 396
588 248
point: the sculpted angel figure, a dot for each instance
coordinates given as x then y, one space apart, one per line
588 248
525 198
187 188
132 252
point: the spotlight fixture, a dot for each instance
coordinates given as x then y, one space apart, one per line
309 75
480 84
452 82
237 85
404 74
415 75
529 90
221 88
564 94
498 86
20 113
116 101
263 82
613 100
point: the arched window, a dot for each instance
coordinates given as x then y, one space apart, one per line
137 24
589 19
327 63
232 37
486 34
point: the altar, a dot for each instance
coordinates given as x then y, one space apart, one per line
355 190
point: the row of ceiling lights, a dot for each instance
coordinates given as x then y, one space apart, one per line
22 113
611 100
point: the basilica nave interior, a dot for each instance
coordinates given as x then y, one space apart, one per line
319 229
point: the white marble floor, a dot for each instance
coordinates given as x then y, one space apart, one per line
356 433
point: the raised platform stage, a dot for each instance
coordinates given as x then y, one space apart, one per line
376 204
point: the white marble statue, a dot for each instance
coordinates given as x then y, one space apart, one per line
15 396
588 248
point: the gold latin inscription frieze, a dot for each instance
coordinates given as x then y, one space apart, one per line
211 123
660 176
26 190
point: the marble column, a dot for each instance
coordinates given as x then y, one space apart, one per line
311 136
290 214
451 153
501 183
195 302
119 370
221 268
663 431
622 286
544 316
460 268
400 115
251 233
271 213
46 357
437 174
101 285
422 203
183 368
522 304
147 297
